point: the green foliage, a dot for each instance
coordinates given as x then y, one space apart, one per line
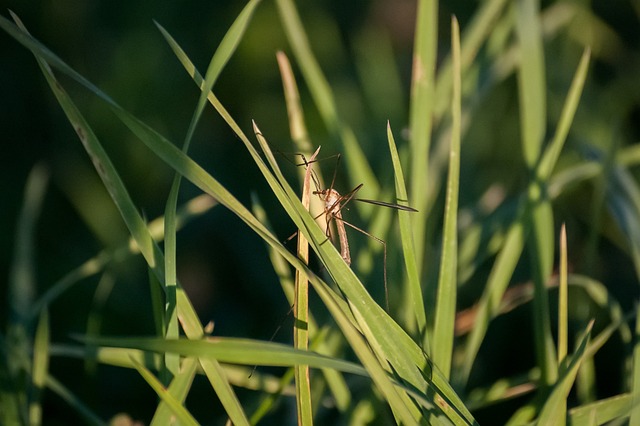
479 250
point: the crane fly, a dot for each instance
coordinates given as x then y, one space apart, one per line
333 205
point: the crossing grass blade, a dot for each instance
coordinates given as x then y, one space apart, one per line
218 61
554 410
174 405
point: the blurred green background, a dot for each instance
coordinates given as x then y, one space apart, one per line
223 266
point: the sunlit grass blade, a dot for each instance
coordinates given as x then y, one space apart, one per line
421 107
554 410
176 407
563 298
301 311
446 296
231 350
178 389
407 236
563 316
402 406
604 410
326 341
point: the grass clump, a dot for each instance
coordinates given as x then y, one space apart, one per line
486 323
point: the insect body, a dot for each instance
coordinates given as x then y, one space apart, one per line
333 210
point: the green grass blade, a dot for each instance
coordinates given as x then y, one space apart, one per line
178 389
406 232
231 350
604 410
541 244
301 312
176 407
563 309
532 102
421 115
325 341
446 297
554 410
552 152
531 80
402 407
563 299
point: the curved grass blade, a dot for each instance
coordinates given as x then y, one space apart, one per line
132 218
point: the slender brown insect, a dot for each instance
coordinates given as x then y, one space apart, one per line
334 203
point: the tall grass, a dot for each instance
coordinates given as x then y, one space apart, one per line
415 363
